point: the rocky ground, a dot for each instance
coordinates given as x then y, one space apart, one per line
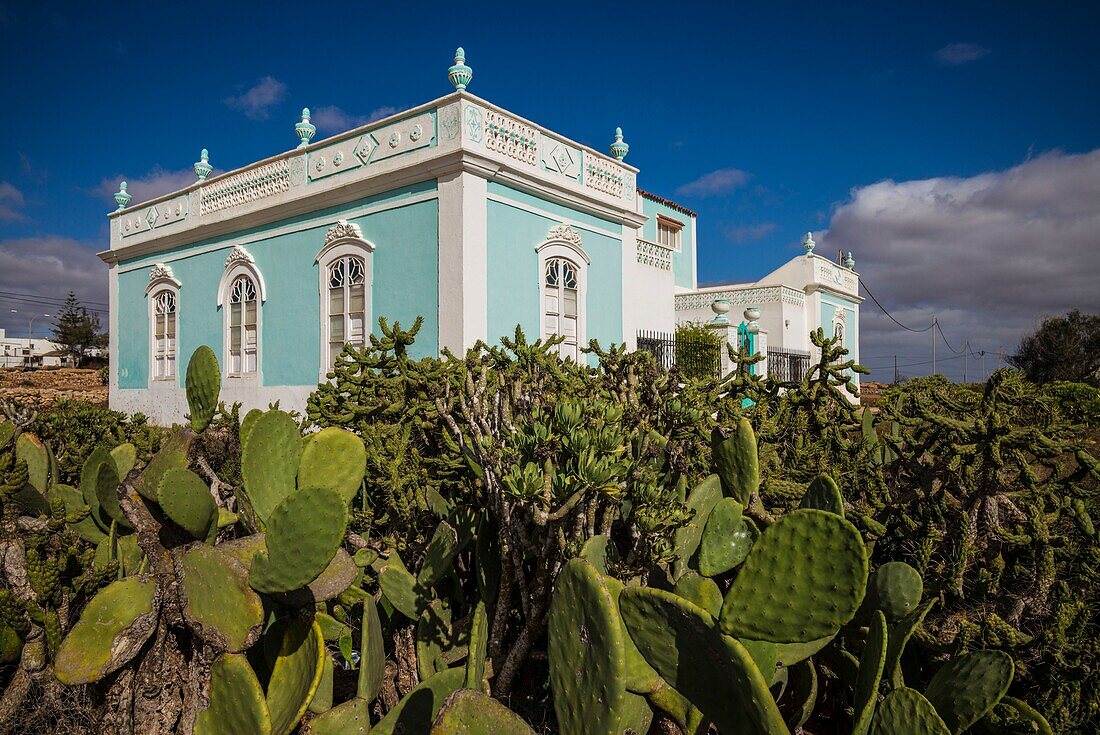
44 387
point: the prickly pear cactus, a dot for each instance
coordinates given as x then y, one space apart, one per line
333 458
111 630
907 712
270 457
439 558
737 461
727 538
186 499
173 452
824 494
416 711
714 671
700 590
968 687
587 666
236 700
818 560
871 665
896 589
304 533
899 636
203 383
701 502
296 674
470 712
217 601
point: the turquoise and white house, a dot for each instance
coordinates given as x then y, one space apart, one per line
458 211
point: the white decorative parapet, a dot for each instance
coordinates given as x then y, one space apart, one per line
247 186
652 254
509 136
836 276
603 175
750 296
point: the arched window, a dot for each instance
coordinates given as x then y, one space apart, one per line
241 296
563 280
243 327
347 300
561 304
164 318
344 268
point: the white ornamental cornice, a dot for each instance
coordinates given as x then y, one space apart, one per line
161 272
343 230
239 255
564 233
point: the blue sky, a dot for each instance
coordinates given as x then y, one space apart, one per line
768 119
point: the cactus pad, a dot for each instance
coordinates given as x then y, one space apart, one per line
334 458
30 449
824 494
639 676
269 461
737 462
237 705
106 491
803 579
587 666
871 665
968 687
86 528
896 589
111 631
479 647
217 601
907 712
322 700
303 535
469 712
700 590
203 382
439 558
372 664
173 453
899 636
125 456
350 718
296 674
726 539
400 588
416 711
186 499
89 483
701 501
714 671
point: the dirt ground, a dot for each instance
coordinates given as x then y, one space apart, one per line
45 387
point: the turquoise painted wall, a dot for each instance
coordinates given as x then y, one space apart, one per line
405 285
683 262
513 272
829 306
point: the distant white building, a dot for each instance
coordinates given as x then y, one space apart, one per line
31 352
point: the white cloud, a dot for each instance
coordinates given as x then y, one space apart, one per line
48 266
11 203
257 101
748 233
333 119
156 182
722 181
955 54
990 255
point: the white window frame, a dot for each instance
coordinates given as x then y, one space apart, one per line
243 265
676 230
156 287
572 251
335 249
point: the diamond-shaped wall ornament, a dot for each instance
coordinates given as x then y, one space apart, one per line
364 147
562 158
151 216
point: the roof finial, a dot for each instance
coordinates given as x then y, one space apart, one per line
460 74
305 129
202 166
122 197
619 148
808 243
849 261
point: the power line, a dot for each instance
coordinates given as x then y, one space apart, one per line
940 330
48 298
43 304
895 321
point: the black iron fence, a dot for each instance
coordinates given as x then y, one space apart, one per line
788 365
696 357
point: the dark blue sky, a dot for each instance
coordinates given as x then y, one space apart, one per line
805 102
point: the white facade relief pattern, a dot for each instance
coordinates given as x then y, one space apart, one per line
161 272
157 215
247 186
239 255
343 230
564 233
510 137
742 296
652 254
603 176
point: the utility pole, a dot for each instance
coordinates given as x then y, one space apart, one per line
933 330
966 348
895 369
982 353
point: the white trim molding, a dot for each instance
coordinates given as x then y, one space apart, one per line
343 239
240 263
565 243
